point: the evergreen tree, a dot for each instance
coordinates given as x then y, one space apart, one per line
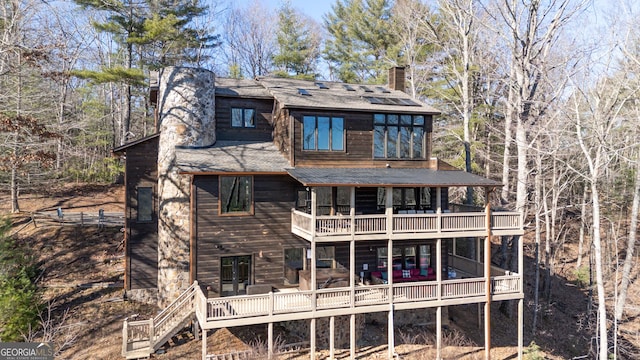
362 44
19 295
298 44
151 33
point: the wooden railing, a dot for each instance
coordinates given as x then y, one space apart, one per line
337 225
237 307
142 338
145 336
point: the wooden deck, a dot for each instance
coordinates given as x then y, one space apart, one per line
144 336
403 226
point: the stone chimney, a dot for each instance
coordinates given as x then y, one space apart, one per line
396 78
186 110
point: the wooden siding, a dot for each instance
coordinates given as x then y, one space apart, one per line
359 143
263 129
142 237
263 235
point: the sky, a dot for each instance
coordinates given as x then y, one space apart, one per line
314 8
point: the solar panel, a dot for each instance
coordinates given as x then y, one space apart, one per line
383 90
365 89
348 87
322 86
390 101
303 92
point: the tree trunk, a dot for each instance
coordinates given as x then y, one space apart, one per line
583 224
631 242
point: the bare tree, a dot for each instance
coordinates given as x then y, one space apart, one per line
596 116
251 41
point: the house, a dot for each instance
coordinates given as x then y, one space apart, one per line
273 200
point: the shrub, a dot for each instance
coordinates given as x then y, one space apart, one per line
582 276
532 352
19 295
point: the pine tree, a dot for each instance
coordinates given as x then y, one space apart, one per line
152 33
362 44
298 45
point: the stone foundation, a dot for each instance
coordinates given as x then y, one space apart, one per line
187 119
145 296
342 330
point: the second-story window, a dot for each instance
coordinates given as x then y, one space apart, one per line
398 136
243 117
323 133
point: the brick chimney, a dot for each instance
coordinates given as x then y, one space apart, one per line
396 78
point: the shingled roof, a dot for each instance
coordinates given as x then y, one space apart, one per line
232 157
294 93
388 176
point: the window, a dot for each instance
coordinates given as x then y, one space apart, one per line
406 198
323 133
145 204
405 257
398 136
293 262
243 118
236 194
325 257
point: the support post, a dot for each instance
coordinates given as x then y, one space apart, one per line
390 334
270 340
520 326
487 276
312 339
332 337
439 333
204 344
352 340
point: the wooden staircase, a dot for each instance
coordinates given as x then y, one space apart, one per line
142 338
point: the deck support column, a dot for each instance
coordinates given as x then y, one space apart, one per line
487 276
520 326
314 285
521 301
352 340
439 332
270 340
438 270
332 337
204 344
312 339
390 334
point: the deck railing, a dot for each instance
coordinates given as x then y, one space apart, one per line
237 307
336 225
141 338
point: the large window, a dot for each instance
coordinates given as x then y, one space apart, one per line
243 117
323 133
145 204
405 257
398 136
407 198
236 194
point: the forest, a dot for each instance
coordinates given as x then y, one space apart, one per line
541 95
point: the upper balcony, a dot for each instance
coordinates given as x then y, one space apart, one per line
404 226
